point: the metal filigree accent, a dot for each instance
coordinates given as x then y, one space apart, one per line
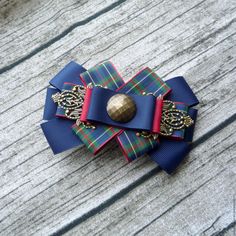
173 119
146 134
72 102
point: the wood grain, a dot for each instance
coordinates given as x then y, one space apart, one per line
28 27
198 205
43 194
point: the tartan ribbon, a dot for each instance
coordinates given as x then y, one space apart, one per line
132 145
145 81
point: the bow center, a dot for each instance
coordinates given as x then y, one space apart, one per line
121 108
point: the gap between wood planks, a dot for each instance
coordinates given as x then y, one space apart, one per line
225 230
144 178
63 34
194 144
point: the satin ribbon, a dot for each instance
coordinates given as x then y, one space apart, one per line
167 153
142 120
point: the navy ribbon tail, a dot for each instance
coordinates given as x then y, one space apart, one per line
59 135
170 153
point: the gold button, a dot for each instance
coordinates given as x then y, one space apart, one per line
121 108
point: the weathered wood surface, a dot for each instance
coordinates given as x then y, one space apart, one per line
79 194
200 205
27 27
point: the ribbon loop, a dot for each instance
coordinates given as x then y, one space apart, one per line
181 92
70 74
59 135
141 121
104 75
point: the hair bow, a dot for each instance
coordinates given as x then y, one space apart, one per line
144 115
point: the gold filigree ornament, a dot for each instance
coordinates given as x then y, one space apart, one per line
72 102
173 119
147 135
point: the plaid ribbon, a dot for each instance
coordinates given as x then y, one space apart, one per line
147 81
106 75
95 139
169 153
134 146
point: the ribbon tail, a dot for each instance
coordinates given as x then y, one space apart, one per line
59 135
147 81
95 139
171 153
104 75
133 146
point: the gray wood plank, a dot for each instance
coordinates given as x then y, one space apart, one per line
40 193
28 27
174 58
197 201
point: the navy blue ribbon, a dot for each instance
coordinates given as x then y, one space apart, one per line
60 137
170 153
58 131
142 121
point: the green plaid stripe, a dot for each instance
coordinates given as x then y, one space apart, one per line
104 74
146 81
134 146
95 139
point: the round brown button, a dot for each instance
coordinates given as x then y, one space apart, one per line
121 108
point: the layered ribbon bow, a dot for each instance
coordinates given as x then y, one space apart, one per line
145 115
